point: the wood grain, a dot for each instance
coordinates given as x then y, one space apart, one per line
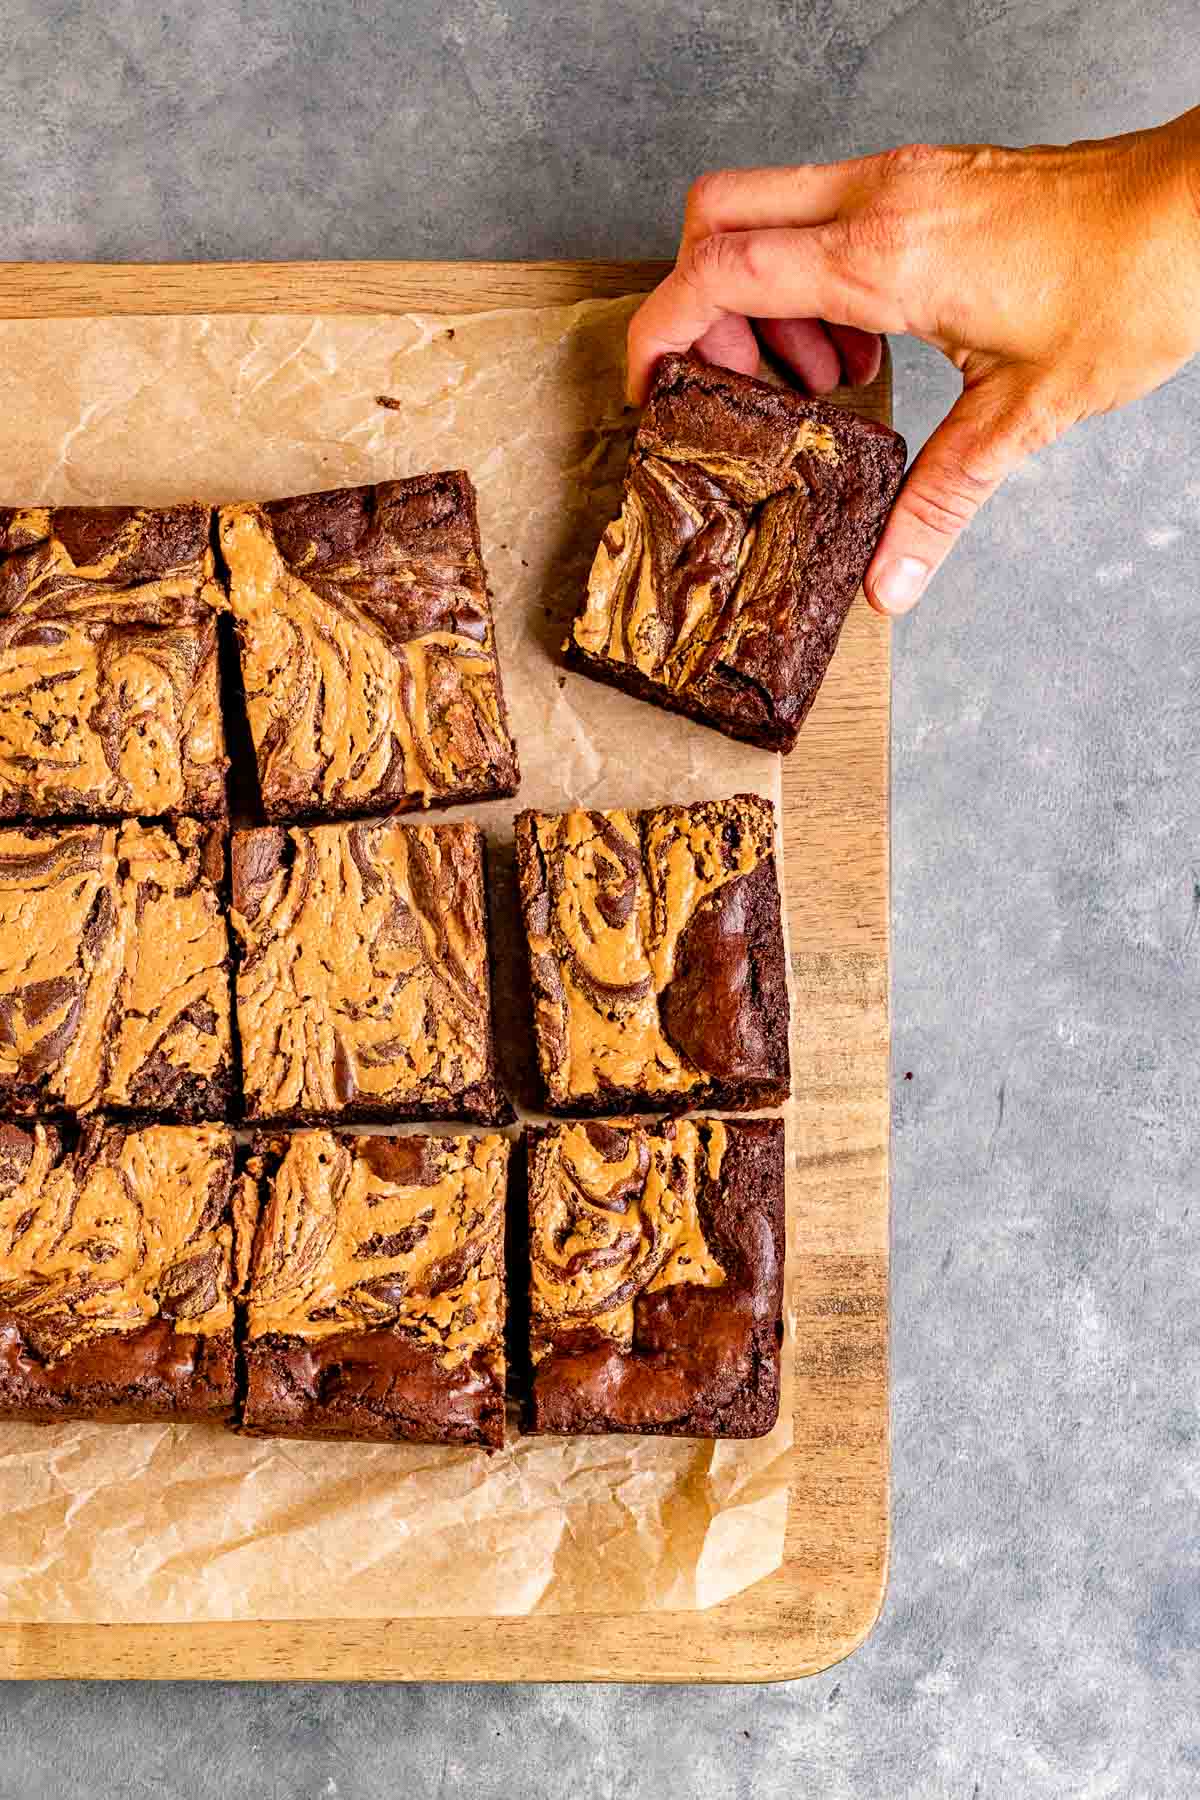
825 1598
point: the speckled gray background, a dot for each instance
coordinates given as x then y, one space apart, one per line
1042 1634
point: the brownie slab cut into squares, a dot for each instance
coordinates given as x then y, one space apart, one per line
749 516
376 1296
656 956
109 703
656 1287
368 649
117 1273
363 988
114 970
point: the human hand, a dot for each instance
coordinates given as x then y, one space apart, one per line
1060 281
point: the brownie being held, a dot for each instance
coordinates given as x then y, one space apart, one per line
656 956
749 517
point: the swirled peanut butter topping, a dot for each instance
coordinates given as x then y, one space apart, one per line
748 518
362 1234
613 1214
108 662
131 1226
620 890
367 647
364 975
113 985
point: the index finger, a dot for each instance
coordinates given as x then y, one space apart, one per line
751 199
773 274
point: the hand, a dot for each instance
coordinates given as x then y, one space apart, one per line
1061 282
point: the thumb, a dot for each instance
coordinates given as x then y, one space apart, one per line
994 425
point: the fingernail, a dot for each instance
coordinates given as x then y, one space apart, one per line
900 583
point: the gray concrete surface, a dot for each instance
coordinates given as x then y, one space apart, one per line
1042 1635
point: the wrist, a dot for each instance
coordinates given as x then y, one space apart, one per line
1180 149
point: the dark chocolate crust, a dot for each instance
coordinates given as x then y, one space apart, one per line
421 1359
702 1360
715 1034
750 515
342 925
109 702
114 971
171 1236
371 606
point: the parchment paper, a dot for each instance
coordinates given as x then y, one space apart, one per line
188 1523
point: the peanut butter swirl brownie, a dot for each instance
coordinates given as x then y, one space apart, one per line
368 649
656 1287
108 663
114 970
376 1296
117 1273
363 990
749 517
656 956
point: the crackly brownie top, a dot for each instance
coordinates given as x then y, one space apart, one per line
367 646
364 975
370 1233
613 1214
108 661
113 982
128 1227
641 933
748 517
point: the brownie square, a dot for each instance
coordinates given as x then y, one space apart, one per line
376 1296
114 970
368 649
117 1273
749 516
656 1276
656 956
363 989
109 700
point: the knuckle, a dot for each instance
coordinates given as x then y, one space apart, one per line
940 508
705 195
912 159
712 260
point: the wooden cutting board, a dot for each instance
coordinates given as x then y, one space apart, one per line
825 1598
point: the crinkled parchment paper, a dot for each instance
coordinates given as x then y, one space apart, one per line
185 1523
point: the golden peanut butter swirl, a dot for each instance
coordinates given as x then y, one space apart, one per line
364 977
368 1233
113 983
108 662
367 647
614 1214
676 578
748 517
129 1227
609 896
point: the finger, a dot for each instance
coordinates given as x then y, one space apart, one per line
861 353
751 199
988 432
731 344
777 274
804 346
